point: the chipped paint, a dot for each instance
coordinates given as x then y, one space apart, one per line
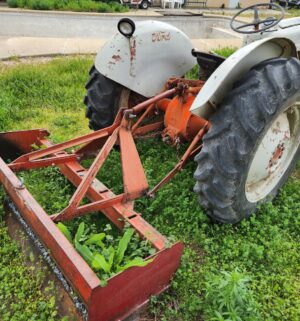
116 58
277 154
132 48
139 55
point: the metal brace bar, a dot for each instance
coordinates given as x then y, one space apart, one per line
191 149
89 208
62 146
68 212
50 161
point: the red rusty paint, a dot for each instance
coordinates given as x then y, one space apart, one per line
277 154
133 287
124 292
44 162
134 178
188 153
116 58
132 42
70 262
89 177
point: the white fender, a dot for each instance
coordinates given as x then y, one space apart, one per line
143 63
234 67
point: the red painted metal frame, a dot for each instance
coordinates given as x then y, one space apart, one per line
126 291
188 153
131 288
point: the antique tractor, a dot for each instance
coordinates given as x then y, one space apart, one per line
247 106
241 120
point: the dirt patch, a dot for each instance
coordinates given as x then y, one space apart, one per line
15 61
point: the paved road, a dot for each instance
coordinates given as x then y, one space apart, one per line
53 25
44 33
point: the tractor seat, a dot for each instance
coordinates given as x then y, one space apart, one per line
208 63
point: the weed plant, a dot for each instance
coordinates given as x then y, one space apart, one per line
101 245
106 254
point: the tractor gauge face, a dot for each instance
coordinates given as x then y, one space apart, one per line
126 27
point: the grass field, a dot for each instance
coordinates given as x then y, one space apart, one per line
246 272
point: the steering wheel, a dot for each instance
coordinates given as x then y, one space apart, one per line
256 23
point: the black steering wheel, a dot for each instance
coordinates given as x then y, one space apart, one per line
259 25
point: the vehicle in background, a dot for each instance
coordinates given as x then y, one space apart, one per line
143 4
290 4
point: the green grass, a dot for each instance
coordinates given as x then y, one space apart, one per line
68 5
225 52
288 13
20 285
248 271
292 13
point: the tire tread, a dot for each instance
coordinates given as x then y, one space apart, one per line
236 128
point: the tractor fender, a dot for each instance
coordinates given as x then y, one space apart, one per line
144 62
234 67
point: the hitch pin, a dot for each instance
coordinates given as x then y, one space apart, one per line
131 116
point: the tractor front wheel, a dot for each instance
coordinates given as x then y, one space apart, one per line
253 143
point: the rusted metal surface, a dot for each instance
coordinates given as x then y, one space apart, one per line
117 213
125 291
132 288
50 161
89 208
277 154
134 178
59 147
132 49
180 123
140 107
144 130
190 151
75 269
173 82
88 178
14 144
142 117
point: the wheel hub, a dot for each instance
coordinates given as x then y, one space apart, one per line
274 154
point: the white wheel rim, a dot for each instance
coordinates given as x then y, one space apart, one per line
274 154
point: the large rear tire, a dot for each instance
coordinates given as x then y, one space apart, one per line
103 99
253 143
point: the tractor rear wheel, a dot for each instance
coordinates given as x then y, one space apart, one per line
253 143
103 99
